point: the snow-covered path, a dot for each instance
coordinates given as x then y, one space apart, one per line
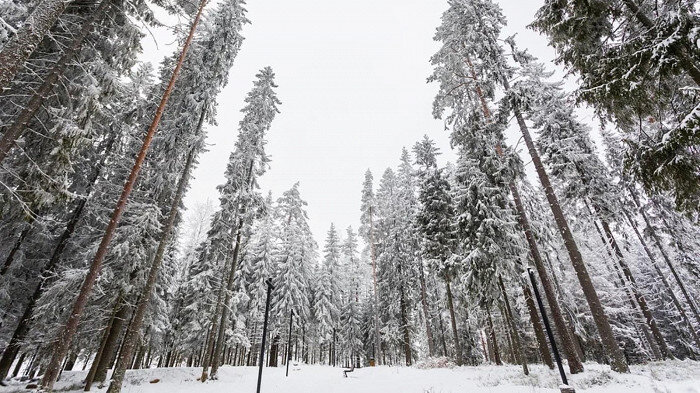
675 376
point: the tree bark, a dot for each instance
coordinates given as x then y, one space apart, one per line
373 253
111 343
131 339
669 290
575 365
65 338
17 51
406 333
617 359
664 254
426 313
18 244
492 337
453 319
10 136
537 327
517 343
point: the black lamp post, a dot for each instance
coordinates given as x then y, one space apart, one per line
566 388
270 287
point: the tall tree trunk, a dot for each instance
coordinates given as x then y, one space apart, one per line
17 51
373 253
641 301
18 244
575 365
664 254
103 342
223 322
537 327
617 359
13 133
112 342
131 338
426 313
493 339
453 319
65 338
23 325
669 290
406 333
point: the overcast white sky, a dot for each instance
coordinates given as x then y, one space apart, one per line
352 81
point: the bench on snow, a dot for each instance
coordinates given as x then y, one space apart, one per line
348 370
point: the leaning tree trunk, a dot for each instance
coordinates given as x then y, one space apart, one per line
537 327
111 343
131 339
641 301
223 321
13 251
575 365
13 133
426 313
659 245
517 343
23 325
453 319
492 337
65 338
377 339
17 51
667 285
617 359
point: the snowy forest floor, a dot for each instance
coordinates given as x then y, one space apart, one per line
671 376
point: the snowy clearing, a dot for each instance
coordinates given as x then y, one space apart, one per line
670 376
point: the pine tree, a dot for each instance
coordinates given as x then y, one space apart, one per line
239 200
635 60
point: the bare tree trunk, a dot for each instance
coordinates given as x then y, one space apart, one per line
453 319
426 313
537 327
641 301
18 244
406 333
13 133
65 338
575 365
676 302
617 359
131 338
16 52
494 341
659 245
111 343
517 344
377 339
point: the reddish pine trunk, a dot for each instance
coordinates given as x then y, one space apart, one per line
65 338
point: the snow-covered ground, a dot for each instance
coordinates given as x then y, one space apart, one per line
673 376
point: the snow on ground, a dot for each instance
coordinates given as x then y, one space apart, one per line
672 376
